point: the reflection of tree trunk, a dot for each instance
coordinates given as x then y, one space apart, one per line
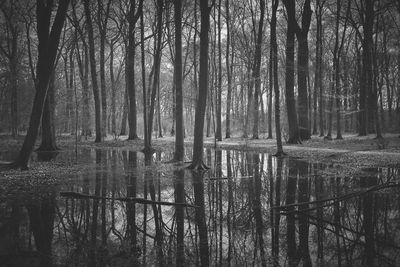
367 208
200 217
131 208
104 186
95 211
179 214
157 219
304 252
290 219
336 215
257 207
218 167
275 219
319 193
230 204
41 216
144 245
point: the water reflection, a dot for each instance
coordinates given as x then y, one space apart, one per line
248 210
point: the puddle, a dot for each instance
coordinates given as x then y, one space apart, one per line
249 209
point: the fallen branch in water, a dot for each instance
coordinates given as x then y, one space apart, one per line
71 194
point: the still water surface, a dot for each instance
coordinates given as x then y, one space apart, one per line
249 209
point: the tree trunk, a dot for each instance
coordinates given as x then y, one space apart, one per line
48 44
319 67
125 111
197 162
113 91
302 70
274 80
84 77
130 69
256 71
294 137
102 19
228 73
179 136
92 60
156 77
218 91
48 124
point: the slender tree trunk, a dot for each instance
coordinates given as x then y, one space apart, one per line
256 71
270 92
156 74
179 185
319 66
113 91
274 80
179 137
228 72
218 91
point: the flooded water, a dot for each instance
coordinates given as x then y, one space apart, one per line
249 209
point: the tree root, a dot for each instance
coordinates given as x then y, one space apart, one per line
280 154
198 166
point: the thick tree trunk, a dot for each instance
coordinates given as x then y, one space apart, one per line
130 69
48 123
84 77
92 60
294 137
48 44
102 19
302 71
